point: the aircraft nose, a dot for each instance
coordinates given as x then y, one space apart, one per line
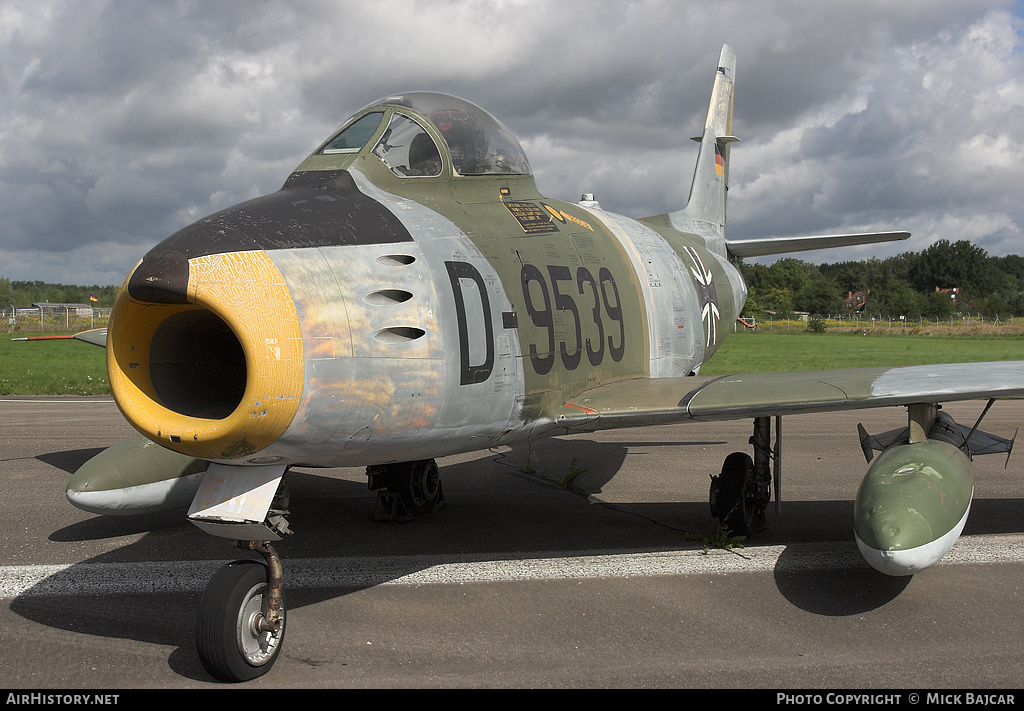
205 353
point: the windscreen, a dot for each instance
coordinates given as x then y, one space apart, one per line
478 143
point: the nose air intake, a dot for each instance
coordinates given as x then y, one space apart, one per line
197 365
206 354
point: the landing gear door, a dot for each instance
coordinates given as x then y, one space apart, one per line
233 502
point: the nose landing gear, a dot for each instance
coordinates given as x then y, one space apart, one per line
241 619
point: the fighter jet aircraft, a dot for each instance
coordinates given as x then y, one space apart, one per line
408 294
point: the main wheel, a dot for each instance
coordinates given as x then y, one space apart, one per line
231 644
420 489
734 495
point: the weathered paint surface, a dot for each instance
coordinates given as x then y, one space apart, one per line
383 311
912 505
135 476
159 352
913 494
409 294
469 316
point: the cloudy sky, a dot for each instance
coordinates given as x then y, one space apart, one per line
122 121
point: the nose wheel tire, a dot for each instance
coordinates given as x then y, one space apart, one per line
233 636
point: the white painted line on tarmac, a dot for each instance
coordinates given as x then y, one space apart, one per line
361 572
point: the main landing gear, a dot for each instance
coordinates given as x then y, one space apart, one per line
740 493
405 490
240 624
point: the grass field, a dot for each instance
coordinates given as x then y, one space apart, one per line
51 367
75 368
771 351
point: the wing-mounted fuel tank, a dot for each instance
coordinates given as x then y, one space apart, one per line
135 476
914 500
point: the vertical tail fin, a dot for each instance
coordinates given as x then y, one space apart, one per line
704 213
705 210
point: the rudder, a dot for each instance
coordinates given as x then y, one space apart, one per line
705 209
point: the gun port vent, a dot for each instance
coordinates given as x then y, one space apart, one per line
399 334
396 260
387 297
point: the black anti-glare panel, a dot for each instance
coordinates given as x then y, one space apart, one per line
313 209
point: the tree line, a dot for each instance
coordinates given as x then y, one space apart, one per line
912 284
904 285
22 294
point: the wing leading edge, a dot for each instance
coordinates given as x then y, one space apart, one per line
649 401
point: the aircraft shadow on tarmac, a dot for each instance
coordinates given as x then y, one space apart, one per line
506 503
69 460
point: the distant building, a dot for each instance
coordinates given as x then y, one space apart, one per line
958 301
61 309
856 300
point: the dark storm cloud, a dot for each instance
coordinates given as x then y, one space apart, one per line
120 122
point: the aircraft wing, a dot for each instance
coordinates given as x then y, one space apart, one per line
648 401
96 337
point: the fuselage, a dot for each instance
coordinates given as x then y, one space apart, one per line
409 294
370 313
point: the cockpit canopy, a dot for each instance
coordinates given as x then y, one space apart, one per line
475 142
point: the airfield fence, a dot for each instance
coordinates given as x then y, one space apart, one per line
72 320
50 320
880 321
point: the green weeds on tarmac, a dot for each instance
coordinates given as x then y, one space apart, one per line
75 368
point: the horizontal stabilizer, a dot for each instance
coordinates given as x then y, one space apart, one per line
784 245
